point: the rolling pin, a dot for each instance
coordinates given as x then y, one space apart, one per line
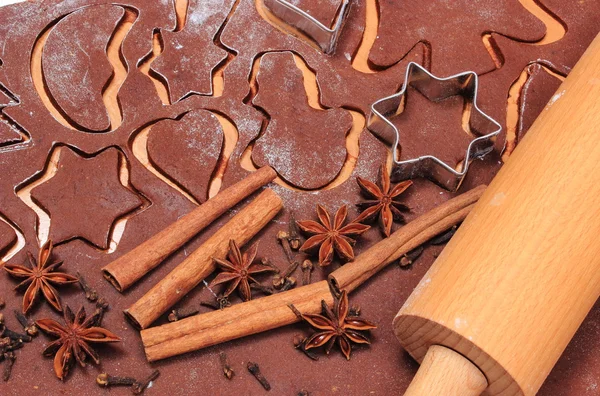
500 304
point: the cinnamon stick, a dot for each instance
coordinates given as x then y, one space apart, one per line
353 274
241 228
129 268
237 321
270 312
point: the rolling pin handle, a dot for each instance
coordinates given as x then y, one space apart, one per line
445 372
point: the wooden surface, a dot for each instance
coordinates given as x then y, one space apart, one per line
446 373
520 275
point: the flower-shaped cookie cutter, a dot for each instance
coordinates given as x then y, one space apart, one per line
325 37
484 127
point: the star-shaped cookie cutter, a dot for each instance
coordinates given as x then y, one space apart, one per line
325 37
435 89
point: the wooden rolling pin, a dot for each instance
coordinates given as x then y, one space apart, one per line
498 307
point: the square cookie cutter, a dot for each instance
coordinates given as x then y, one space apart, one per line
435 89
325 37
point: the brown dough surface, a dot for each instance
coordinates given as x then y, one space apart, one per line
435 22
237 35
7 237
288 143
8 135
583 23
187 150
190 55
75 64
84 197
540 84
423 133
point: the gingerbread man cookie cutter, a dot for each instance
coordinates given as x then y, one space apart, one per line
325 37
481 125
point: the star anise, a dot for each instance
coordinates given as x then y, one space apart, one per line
382 201
238 270
74 338
331 236
338 326
40 276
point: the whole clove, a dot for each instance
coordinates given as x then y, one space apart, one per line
262 288
29 326
96 318
290 282
10 358
410 257
178 314
106 380
7 345
279 280
303 393
14 345
139 387
102 303
283 238
444 236
307 268
14 336
255 371
98 315
293 232
4 342
227 370
90 293
2 303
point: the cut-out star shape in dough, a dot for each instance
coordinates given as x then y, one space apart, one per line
85 197
190 55
306 146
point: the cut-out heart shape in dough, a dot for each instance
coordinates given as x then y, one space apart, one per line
187 150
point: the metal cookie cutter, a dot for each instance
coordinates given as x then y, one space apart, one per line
325 37
435 89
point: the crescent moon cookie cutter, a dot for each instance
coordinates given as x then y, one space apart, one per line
435 89
325 37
